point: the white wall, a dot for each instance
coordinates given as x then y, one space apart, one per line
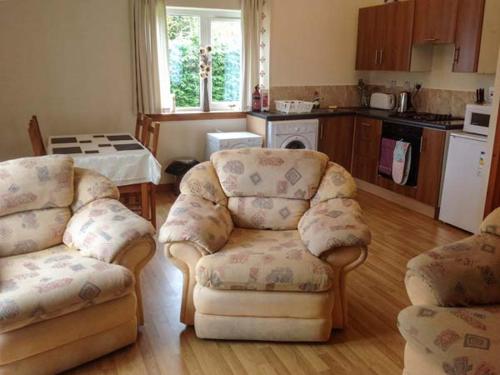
67 61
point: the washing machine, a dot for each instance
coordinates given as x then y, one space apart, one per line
293 134
230 140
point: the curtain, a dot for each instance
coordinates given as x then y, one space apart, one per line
149 39
251 24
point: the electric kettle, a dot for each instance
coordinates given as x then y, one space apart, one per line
404 102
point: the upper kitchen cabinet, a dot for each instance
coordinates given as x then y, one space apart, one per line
468 35
435 21
490 38
385 39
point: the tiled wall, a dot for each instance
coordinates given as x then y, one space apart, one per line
427 100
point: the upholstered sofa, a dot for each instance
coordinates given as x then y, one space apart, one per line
453 327
265 239
70 259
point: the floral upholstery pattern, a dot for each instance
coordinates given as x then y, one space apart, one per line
333 223
34 183
103 227
195 219
264 260
462 273
267 213
460 341
269 173
491 224
336 183
202 181
53 282
28 231
90 186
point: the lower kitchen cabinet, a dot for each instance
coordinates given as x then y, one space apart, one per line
431 166
366 148
336 138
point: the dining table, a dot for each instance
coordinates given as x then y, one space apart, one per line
118 156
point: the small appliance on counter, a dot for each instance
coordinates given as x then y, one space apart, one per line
230 140
404 102
464 177
380 100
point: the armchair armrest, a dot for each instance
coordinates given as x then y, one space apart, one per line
333 223
199 221
463 273
103 228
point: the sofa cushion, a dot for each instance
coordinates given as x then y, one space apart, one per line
90 186
336 183
264 260
202 181
28 231
458 340
53 282
33 183
269 173
267 213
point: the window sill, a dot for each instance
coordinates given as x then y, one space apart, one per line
193 116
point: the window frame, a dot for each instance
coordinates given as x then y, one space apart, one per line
206 17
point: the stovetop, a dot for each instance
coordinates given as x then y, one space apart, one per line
434 118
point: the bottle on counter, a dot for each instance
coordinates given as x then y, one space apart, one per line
316 100
256 99
264 100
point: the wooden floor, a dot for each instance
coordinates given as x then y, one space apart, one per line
370 345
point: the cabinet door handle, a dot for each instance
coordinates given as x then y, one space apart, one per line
381 56
431 39
376 57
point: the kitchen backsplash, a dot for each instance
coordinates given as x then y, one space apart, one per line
427 100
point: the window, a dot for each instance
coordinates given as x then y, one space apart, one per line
188 29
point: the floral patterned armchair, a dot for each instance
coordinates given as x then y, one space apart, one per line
70 259
265 239
453 327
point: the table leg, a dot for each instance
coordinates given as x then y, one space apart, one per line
153 204
145 201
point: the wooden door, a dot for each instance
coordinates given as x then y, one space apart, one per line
335 139
493 195
435 21
431 166
396 35
367 52
366 148
468 35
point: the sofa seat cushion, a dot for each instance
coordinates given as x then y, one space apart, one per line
458 340
264 260
53 282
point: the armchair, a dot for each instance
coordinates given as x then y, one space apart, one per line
70 258
265 240
453 326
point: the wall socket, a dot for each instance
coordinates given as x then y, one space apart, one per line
491 94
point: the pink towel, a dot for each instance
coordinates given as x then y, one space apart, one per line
386 156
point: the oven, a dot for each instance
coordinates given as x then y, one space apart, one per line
477 119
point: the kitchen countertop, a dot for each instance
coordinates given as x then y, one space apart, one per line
368 112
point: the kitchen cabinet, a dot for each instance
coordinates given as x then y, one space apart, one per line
468 35
385 39
435 21
336 138
430 166
366 148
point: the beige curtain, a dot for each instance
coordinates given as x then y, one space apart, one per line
149 39
251 17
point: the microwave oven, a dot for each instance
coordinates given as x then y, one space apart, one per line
477 118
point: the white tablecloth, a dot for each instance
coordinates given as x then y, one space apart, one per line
100 152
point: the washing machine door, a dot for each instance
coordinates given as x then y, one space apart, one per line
296 142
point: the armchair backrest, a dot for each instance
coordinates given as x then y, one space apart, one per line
491 223
37 198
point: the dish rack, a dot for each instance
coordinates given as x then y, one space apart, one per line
293 106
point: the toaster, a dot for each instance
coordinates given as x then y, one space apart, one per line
382 101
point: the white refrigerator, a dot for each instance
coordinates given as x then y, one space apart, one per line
461 196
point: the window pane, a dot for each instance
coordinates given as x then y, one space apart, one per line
226 60
183 57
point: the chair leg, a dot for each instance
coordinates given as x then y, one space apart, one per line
144 201
153 204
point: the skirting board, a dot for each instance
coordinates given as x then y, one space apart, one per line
400 200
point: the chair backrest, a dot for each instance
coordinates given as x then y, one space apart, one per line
36 137
152 133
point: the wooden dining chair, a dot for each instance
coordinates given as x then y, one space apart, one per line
141 127
36 137
152 134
